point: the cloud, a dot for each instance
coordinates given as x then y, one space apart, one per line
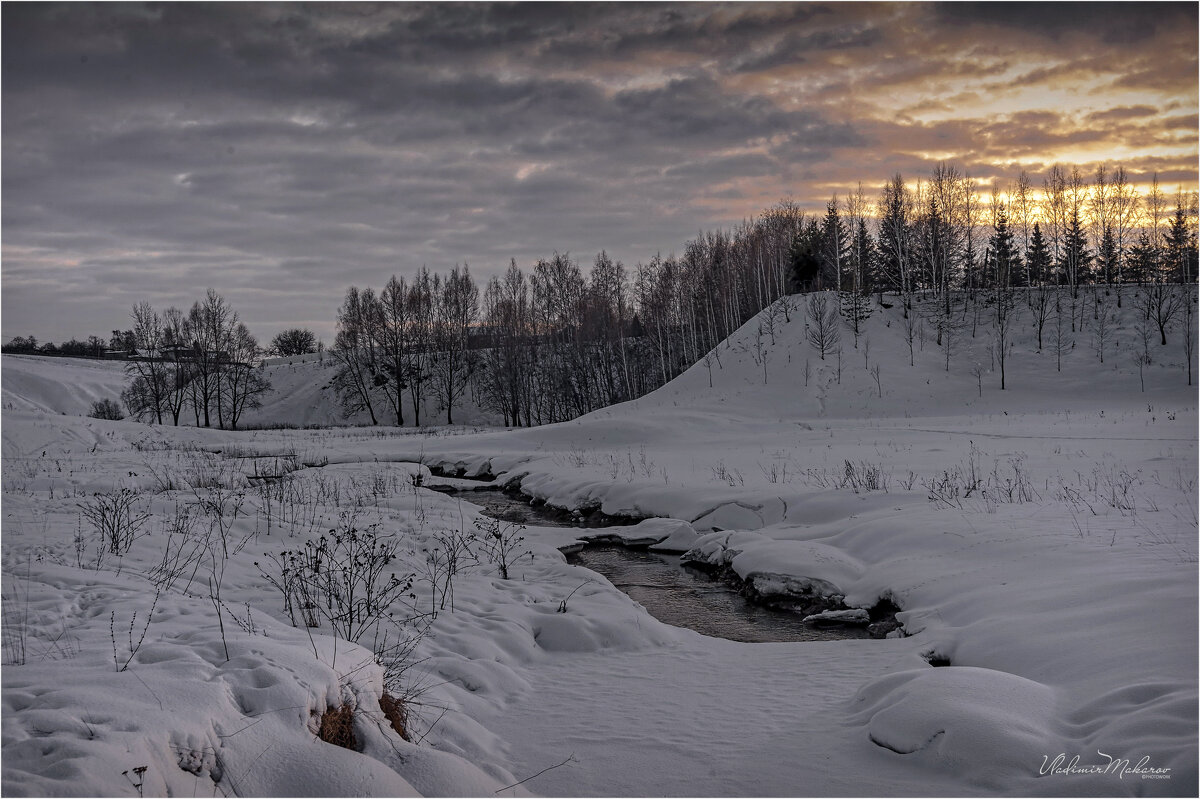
1122 113
280 152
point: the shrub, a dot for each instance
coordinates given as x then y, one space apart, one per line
115 519
106 409
345 578
500 541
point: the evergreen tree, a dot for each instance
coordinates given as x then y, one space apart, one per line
1038 257
1076 259
1181 249
805 259
866 256
1107 256
1001 253
835 250
1142 263
896 250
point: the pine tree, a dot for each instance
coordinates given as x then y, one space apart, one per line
1076 259
1181 256
867 258
895 262
805 258
834 248
1001 253
856 306
1107 256
1038 257
1142 264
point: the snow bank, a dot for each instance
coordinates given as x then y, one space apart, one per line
983 725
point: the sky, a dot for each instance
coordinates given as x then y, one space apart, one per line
279 153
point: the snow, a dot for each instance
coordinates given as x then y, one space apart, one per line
852 616
58 385
1048 592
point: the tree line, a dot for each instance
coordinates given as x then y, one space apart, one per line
205 361
552 343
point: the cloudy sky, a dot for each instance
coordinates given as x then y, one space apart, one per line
279 153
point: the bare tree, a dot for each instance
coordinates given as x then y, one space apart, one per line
354 353
1007 312
1023 212
1189 340
421 311
1156 213
1126 207
1161 304
153 373
1103 329
1100 211
822 326
243 383
507 360
220 320
203 356
211 323
1041 306
393 343
910 322
294 341
177 336
1062 340
457 309
950 328
977 372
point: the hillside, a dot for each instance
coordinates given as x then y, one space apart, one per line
301 393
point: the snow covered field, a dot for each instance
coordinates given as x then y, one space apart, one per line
1040 541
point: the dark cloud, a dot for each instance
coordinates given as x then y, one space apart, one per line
1122 112
1111 23
280 152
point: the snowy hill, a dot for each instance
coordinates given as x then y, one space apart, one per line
756 372
1040 543
58 385
301 391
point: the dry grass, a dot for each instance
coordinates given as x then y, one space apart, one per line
337 727
396 713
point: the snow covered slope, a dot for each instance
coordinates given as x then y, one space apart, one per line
1041 543
58 385
301 393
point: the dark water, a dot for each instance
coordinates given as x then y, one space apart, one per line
686 597
512 507
669 591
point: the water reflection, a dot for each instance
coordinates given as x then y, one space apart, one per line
686 597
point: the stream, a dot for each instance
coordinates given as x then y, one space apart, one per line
685 597
669 590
